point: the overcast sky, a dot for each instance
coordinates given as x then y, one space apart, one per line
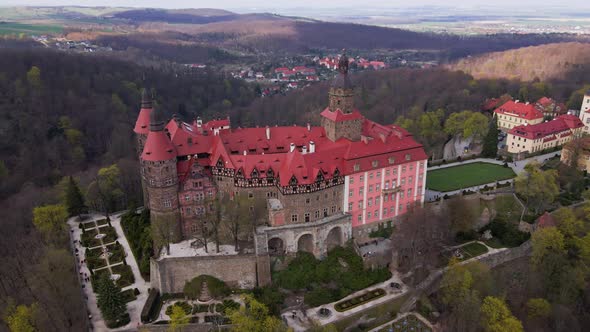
269 5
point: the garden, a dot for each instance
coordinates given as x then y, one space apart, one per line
331 279
138 234
359 300
466 175
409 323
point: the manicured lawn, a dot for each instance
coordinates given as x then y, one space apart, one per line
376 315
409 323
473 249
466 175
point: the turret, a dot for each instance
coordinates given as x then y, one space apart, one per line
143 121
159 173
340 119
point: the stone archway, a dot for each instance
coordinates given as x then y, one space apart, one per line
276 246
305 243
334 238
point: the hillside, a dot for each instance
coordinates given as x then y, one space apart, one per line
545 62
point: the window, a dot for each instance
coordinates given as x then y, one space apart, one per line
394 171
401 208
385 198
357 167
187 198
351 180
377 187
371 188
408 157
387 184
307 200
421 164
333 209
376 213
368 215
361 190
384 212
401 194
167 203
391 160
377 200
350 206
403 169
360 204
403 182
325 212
370 202
392 209
375 163
350 193
294 218
307 216
410 192
359 218
316 214
362 178
393 183
387 172
371 176
410 179
378 174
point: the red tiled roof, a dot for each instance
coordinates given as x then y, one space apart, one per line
546 220
281 69
379 143
544 101
545 129
142 125
338 116
521 110
158 147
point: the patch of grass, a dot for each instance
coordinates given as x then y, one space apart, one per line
101 222
93 259
359 300
9 28
185 307
129 295
88 239
197 308
494 243
126 273
378 315
466 175
473 249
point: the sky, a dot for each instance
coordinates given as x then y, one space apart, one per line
269 5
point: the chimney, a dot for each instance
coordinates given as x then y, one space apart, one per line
268 132
215 131
304 149
245 152
311 146
199 122
308 127
292 147
516 101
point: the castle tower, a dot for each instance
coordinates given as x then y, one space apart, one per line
141 131
340 119
158 170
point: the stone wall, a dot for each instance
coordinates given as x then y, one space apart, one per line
169 274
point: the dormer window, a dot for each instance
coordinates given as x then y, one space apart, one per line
391 160
357 167
408 156
293 181
375 163
220 163
254 173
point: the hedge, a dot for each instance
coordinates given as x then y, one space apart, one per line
358 300
152 306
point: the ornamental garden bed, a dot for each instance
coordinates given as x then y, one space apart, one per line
110 232
198 308
129 295
102 222
226 305
473 249
126 274
217 319
93 259
187 308
89 240
117 253
408 323
359 300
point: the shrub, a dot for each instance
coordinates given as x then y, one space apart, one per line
136 291
197 308
270 296
187 308
462 236
217 288
358 300
507 233
138 233
122 321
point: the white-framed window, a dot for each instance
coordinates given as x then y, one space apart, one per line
350 206
357 167
167 203
294 218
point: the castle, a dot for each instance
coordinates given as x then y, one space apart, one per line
323 185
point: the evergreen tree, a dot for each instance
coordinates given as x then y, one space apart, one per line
110 301
490 142
74 199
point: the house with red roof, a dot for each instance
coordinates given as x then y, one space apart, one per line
545 135
514 113
321 184
550 107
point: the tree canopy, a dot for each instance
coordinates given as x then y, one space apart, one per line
254 317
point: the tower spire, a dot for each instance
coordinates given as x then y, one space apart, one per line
157 122
146 100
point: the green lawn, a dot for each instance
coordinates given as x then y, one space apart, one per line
473 249
466 175
7 28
